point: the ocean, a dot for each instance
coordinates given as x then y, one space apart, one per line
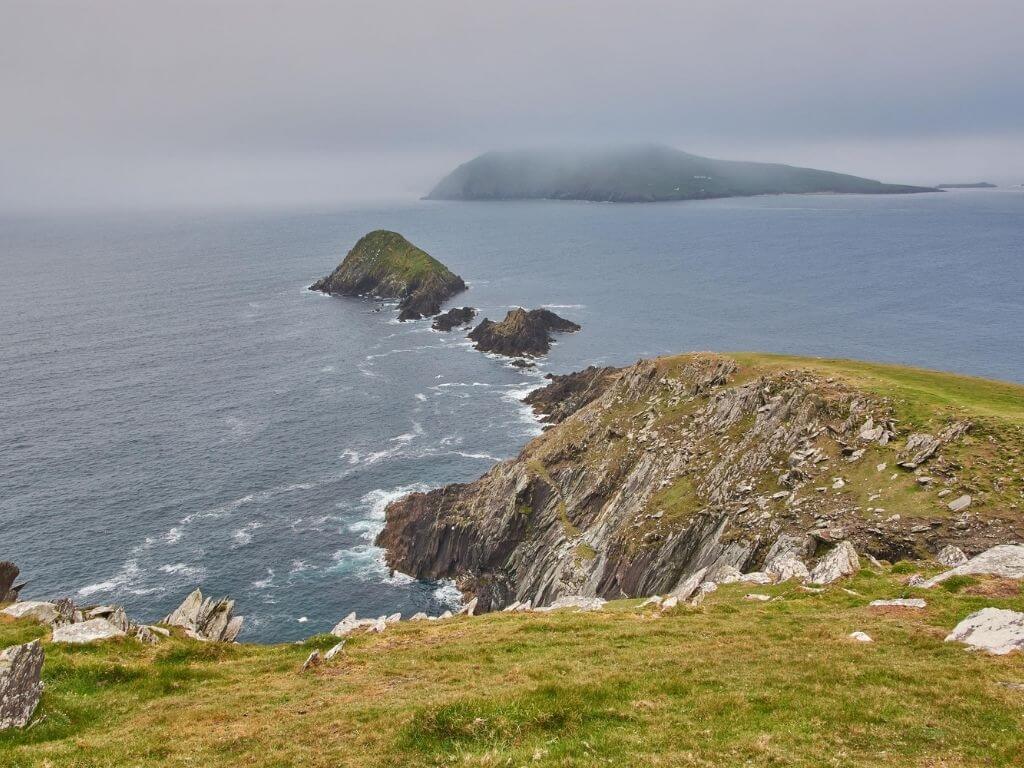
178 410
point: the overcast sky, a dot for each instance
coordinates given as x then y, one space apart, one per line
242 102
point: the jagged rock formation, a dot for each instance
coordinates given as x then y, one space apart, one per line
453 318
385 265
522 333
206 619
8 575
20 684
680 464
637 174
566 394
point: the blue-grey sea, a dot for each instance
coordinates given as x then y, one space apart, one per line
176 409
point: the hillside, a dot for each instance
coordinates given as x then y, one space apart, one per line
638 174
680 463
385 265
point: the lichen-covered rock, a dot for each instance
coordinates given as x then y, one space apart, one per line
899 602
85 632
951 556
206 619
385 265
20 683
42 611
995 630
839 562
522 333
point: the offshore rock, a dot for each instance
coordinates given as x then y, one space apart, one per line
385 265
522 333
206 619
20 684
453 318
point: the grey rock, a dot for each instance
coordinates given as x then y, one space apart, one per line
85 632
841 561
579 602
468 609
861 637
960 503
20 684
951 556
901 602
206 619
43 612
8 575
334 651
1005 560
919 448
313 660
756 577
757 597
995 630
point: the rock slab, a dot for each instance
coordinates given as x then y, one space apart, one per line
85 632
841 561
20 684
995 630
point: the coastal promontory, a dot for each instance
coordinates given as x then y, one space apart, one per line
385 265
523 333
638 174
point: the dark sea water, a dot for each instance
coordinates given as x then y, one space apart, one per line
177 410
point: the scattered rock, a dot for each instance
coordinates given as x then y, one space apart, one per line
995 630
901 602
758 597
85 632
334 651
861 637
919 448
20 684
453 318
960 503
841 561
206 619
522 333
951 556
313 660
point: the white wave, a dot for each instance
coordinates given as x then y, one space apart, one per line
351 456
298 566
190 572
302 619
467 455
421 397
378 499
448 594
173 536
519 393
266 581
564 306
129 573
243 535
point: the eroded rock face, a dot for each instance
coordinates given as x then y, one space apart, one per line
566 394
652 473
522 333
20 684
385 265
839 562
206 619
453 318
995 630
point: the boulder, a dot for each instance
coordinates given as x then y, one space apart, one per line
756 577
960 503
468 609
757 597
951 556
334 651
995 630
85 632
787 567
206 619
20 684
724 574
313 660
688 584
43 612
1006 560
902 602
702 591
841 561
919 448
861 637
350 624
8 575
579 602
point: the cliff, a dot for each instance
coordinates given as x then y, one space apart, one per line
523 333
645 173
674 464
385 265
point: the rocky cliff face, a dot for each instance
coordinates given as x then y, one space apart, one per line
668 466
523 333
385 265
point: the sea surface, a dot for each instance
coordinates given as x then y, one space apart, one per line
176 409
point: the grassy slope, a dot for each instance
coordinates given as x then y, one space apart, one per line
732 683
387 254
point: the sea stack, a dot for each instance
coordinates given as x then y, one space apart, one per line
385 265
523 333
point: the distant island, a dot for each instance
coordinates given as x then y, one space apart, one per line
385 265
975 185
636 174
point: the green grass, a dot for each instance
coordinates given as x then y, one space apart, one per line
734 683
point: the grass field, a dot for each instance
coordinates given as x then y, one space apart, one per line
733 683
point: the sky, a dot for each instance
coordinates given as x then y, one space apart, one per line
146 103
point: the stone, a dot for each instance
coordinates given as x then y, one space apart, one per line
861 637
786 568
43 612
724 574
334 650
756 577
702 591
757 597
468 609
206 619
313 660
85 632
996 630
669 602
579 602
1005 560
951 556
901 602
421 616
20 683
919 448
688 585
960 503
8 575
841 561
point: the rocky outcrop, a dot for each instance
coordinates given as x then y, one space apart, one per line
662 469
85 632
1005 560
41 611
453 318
206 619
385 265
8 575
20 685
522 333
995 630
566 394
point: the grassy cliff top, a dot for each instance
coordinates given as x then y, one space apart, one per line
734 682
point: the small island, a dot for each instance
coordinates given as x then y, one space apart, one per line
453 318
385 265
972 185
639 174
522 333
